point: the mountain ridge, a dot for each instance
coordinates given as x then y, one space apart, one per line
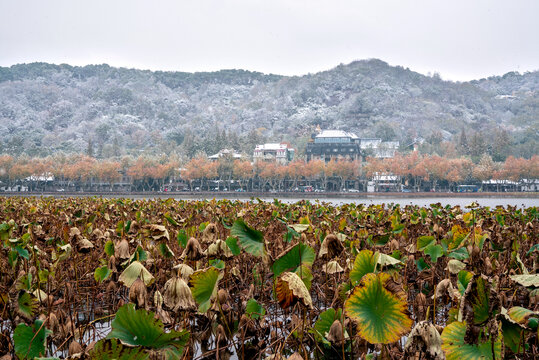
46 108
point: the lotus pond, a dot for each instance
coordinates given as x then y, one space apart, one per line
166 279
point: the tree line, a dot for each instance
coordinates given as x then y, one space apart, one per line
151 173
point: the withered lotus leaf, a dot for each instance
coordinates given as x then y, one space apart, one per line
178 295
290 289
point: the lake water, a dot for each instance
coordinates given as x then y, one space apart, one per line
460 200
377 200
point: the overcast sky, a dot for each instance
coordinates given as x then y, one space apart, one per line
461 40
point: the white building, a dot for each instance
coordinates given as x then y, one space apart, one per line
225 152
280 153
377 148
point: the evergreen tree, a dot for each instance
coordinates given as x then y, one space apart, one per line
90 148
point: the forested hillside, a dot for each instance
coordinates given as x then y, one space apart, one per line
105 111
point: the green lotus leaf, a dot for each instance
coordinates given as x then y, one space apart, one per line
232 243
298 255
170 219
254 310
26 304
182 238
204 287
101 273
30 342
459 254
251 240
434 251
512 336
106 349
365 263
381 313
380 239
455 348
305 274
463 278
165 250
140 328
477 295
523 317
425 241
109 248
422 264
134 271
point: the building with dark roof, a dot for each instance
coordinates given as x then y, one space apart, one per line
334 144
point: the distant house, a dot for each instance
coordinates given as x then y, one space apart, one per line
333 144
281 153
44 177
384 182
225 153
375 147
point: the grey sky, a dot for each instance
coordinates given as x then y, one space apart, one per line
461 40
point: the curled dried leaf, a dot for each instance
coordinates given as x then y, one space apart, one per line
178 295
336 333
445 287
209 235
184 271
332 267
331 247
425 340
122 250
192 250
291 289
138 293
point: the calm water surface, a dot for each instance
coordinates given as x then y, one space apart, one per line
377 200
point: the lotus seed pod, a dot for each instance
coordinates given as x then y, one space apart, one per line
222 295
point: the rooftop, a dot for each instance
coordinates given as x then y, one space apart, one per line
336 134
225 152
272 146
